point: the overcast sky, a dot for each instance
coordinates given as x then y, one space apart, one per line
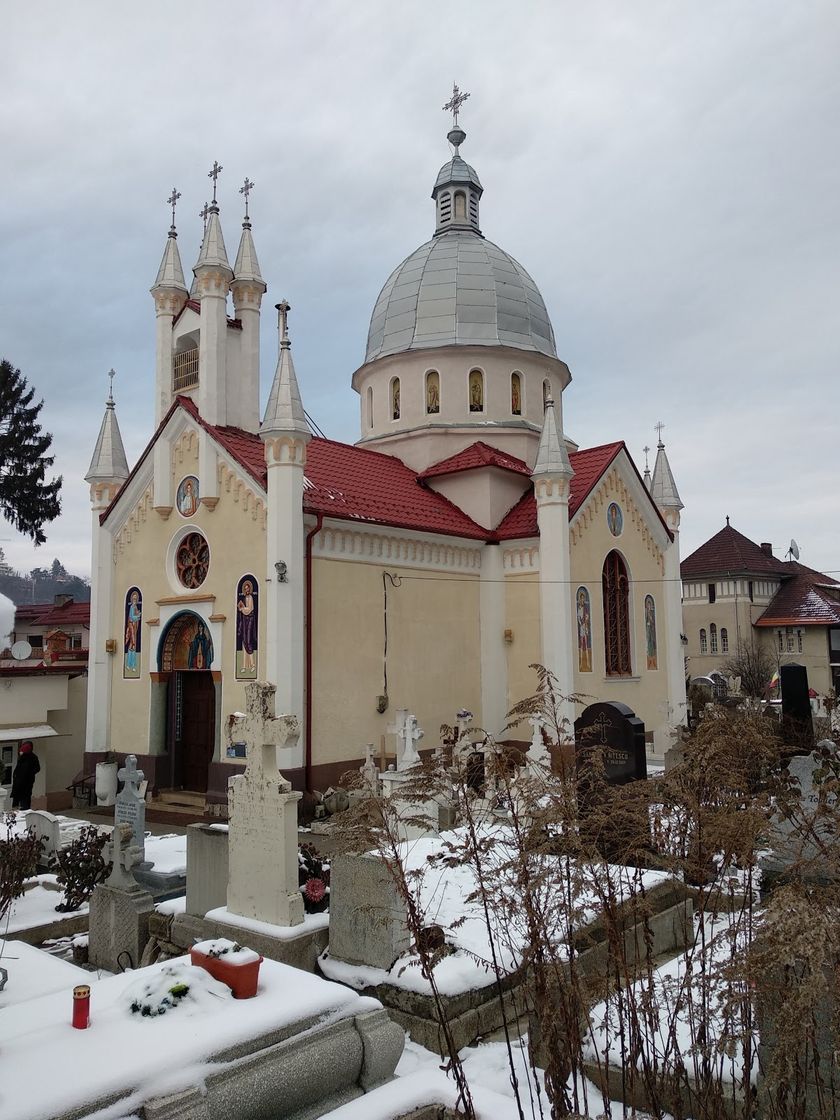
668 172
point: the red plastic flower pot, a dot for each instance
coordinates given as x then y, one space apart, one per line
242 979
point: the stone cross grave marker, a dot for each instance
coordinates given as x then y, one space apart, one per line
463 719
263 849
411 734
396 729
124 856
130 807
538 753
370 771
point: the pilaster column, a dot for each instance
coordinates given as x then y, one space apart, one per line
494 685
285 574
552 495
675 664
100 663
168 303
213 284
244 396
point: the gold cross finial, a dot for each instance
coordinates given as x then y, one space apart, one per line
213 174
246 189
171 201
658 429
454 104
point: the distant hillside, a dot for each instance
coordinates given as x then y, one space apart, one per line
41 584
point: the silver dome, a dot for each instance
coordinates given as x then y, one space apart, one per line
459 289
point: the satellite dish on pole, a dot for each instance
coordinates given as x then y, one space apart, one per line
21 651
794 549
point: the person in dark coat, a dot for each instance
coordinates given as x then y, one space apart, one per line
23 778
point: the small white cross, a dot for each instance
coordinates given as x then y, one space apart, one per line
261 730
411 734
130 775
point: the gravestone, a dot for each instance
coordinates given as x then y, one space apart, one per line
46 828
618 735
799 840
797 719
119 908
369 772
263 847
367 917
130 807
207 868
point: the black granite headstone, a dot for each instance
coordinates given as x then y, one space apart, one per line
615 731
797 721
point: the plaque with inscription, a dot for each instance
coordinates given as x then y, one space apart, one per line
616 732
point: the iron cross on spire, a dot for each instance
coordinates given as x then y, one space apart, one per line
246 189
658 429
283 309
111 375
213 174
203 213
171 201
454 104
646 450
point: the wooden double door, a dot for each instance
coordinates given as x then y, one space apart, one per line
192 727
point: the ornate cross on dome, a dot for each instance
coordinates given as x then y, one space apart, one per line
171 201
283 309
213 174
246 189
658 429
454 104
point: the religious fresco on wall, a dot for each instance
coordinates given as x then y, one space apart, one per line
432 392
133 633
516 394
584 630
476 391
187 496
615 519
186 644
650 632
247 628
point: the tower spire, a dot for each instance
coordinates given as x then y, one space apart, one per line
552 456
457 189
663 489
284 411
108 464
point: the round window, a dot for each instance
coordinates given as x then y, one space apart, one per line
192 560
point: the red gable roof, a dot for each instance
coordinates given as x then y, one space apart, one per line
803 600
478 454
48 614
588 466
731 552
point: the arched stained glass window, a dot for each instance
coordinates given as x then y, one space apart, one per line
616 589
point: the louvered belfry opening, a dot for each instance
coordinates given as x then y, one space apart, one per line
616 587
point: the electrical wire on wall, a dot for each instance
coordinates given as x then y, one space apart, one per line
395 581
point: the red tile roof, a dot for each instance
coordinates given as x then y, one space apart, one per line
48 614
804 599
194 305
588 466
478 454
732 553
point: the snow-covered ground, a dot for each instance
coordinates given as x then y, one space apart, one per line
33 973
36 907
442 894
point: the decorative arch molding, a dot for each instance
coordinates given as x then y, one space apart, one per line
185 644
243 494
285 449
131 527
333 542
185 445
522 558
613 488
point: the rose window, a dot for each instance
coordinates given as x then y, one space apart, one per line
192 560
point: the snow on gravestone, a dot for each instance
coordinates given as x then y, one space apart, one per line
130 808
262 837
802 837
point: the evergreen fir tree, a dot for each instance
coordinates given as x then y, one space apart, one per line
27 500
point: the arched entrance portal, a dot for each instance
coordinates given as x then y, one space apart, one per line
185 655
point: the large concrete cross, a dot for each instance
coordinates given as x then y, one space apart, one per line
130 775
261 730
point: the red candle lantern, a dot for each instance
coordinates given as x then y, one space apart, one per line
81 1006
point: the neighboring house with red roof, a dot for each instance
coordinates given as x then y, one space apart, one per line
44 691
736 592
463 538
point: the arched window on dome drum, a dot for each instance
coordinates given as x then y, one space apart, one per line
395 399
703 646
370 406
432 392
546 393
616 590
515 394
460 206
713 642
724 640
476 391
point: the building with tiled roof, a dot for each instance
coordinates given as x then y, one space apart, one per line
737 593
463 538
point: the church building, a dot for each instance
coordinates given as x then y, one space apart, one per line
461 539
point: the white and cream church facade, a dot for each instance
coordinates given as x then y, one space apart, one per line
463 538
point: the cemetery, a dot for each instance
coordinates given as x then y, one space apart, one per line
553 914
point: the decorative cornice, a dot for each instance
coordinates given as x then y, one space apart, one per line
211 503
167 599
285 451
613 488
243 493
372 547
131 526
522 558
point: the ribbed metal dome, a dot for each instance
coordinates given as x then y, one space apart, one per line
459 289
